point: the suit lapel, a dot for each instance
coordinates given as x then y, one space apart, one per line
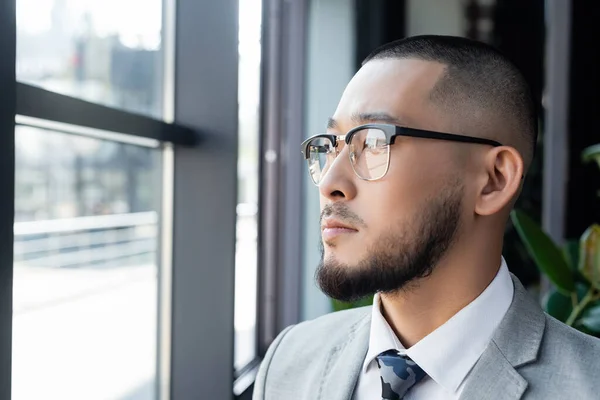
516 342
493 378
344 363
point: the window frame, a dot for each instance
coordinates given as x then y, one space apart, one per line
280 236
35 102
201 93
26 104
282 168
7 181
205 181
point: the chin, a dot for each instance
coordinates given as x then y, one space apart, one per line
342 256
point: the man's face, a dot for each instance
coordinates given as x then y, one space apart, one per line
400 225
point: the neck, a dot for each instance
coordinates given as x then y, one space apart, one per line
458 279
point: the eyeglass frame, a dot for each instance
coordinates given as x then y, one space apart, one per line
391 132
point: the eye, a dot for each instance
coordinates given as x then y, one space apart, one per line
375 145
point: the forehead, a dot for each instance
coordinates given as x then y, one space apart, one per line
397 87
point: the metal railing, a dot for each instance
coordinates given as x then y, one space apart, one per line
103 240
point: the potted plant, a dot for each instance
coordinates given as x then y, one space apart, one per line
574 270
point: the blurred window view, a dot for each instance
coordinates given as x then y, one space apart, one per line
107 52
250 14
85 268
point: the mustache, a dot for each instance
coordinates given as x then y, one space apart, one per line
343 213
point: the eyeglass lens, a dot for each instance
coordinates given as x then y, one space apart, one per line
368 152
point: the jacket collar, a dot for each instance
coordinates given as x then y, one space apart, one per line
344 363
520 333
516 342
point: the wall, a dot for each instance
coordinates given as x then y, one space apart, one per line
437 17
330 66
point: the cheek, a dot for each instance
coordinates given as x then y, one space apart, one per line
398 194
416 168
393 202
385 208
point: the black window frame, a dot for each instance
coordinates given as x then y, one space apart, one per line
7 180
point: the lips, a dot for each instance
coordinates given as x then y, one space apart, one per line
332 228
331 223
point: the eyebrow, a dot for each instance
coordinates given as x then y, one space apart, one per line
361 118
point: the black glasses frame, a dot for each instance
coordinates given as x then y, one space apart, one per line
393 131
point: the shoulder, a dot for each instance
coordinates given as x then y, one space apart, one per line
297 357
559 338
328 330
346 318
568 364
305 343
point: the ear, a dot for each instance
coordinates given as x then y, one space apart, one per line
501 180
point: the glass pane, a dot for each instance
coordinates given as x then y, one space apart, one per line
369 153
322 155
85 268
248 184
100 51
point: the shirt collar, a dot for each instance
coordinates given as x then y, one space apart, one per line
448 353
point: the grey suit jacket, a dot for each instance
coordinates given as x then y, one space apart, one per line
531 356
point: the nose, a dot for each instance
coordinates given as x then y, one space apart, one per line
340 181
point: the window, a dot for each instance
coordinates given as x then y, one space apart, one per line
248 182
85 267
99 51
86 230
95 248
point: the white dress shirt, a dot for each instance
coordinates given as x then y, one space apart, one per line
447 354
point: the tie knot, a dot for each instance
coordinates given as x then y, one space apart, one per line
398 374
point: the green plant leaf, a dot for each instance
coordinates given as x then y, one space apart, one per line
342 305
591 318
580 327
558 305
589 255
591 153
571 253
546 254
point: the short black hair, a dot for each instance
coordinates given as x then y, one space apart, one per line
477 74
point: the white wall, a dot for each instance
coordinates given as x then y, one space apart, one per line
330 66
436 17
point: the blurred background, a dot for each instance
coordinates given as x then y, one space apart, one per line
162 228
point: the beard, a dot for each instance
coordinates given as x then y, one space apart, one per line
398 259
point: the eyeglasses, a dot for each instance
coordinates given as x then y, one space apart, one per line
369 148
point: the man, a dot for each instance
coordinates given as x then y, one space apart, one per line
422 163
